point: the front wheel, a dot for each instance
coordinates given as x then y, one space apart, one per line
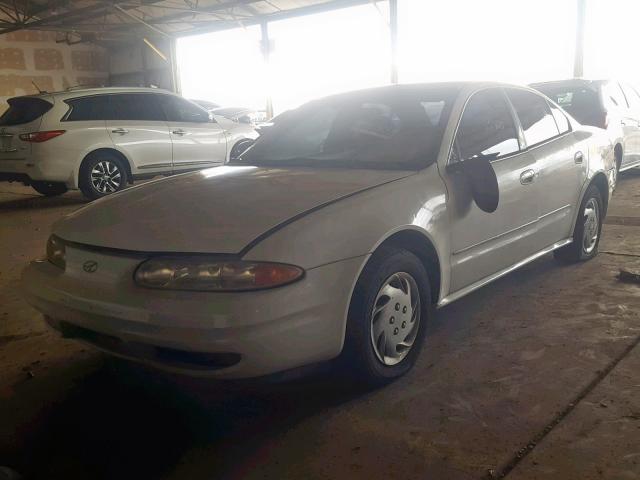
239 148
102 175
387 319
49 189
586 234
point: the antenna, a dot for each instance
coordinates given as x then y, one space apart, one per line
37 87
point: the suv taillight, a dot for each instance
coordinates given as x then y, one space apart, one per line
39 137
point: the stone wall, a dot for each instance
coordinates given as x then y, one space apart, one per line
34 56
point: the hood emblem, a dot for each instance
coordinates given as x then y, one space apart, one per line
90 266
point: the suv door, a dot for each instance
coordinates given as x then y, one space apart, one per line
561 164
198 140
631 125
137 127
619 114
484 243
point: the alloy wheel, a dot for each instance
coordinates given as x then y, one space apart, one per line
591 226
106 177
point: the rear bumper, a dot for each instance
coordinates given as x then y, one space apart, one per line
242 335
44 163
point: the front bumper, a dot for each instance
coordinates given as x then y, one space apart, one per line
265 331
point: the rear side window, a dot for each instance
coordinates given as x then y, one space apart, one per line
137 106
24 110
89 108
535 116
486 127
561 119
180 110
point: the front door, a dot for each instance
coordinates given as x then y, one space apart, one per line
486 243
198 140
137 127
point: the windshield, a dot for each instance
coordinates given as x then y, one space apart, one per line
398 128
24 110
582 103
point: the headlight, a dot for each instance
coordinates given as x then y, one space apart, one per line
213 275
56 252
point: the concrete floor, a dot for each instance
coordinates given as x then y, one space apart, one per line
536 376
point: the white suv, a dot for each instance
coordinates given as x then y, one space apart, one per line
99 140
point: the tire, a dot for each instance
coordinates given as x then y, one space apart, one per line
585 246
102 174
239 148
49 189
364 358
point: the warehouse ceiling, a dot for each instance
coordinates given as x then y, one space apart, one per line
116 21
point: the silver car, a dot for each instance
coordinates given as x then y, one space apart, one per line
334 236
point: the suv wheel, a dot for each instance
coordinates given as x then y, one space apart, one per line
49 189
101 175
586 234
387 319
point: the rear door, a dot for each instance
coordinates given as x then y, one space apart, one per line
138 128
24 115
632 125
486 243
560 164
198 140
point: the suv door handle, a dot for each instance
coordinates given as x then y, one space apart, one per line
121 131
179 131
578 157
527 177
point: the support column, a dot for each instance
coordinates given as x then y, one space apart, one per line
578 62
393 29
266 54
175 78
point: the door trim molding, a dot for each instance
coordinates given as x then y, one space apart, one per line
482 282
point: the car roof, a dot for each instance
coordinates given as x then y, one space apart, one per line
570 82
82 92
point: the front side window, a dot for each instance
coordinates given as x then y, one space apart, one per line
180 110
535 116
136 106
387 129
486 128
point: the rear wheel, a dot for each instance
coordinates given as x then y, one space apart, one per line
49 189
586 234
101 175
387 318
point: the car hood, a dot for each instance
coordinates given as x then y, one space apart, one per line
218 210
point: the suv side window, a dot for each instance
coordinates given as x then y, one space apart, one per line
561 119
179 110
632 96
486 127
137 106
96 107
613 96
535 116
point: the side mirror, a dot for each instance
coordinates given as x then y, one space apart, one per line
482 179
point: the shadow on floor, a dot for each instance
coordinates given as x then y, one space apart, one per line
40 202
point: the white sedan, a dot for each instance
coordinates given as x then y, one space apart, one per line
334 236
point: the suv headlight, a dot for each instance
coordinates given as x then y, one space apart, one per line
202 274
56 252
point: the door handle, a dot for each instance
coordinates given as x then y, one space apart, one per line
179 131
578 157
121 131
527 177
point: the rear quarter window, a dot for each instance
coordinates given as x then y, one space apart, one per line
24 110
